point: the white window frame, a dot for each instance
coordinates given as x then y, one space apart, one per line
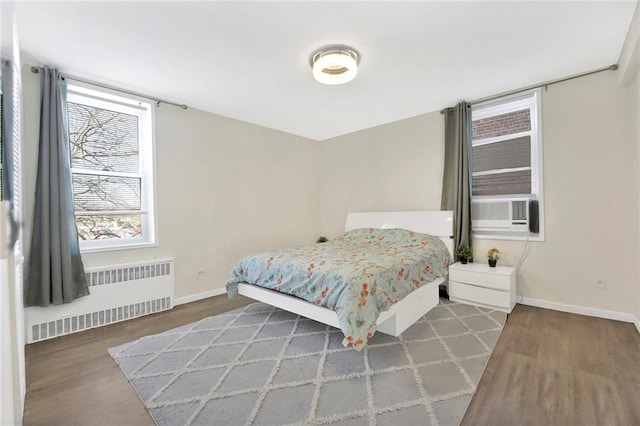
529 99
144 109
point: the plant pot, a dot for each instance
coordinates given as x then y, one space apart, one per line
463 260
493 262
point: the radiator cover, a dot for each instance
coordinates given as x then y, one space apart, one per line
117 293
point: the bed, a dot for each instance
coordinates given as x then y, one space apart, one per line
382 275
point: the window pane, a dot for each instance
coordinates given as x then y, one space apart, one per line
508 154
109 227
500 125
103 140
511 183
95 193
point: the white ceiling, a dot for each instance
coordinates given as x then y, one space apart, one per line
250 60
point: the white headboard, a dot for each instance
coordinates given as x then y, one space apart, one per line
436 223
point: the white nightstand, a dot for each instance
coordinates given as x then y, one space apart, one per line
480 285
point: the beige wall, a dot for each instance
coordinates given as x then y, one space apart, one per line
630 77
630 66
591 207
393 167
225 189
589 174
635 114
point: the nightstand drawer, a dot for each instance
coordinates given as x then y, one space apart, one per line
482 279
465 292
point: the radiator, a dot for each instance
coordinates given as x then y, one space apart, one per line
117 293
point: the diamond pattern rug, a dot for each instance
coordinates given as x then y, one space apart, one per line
264 366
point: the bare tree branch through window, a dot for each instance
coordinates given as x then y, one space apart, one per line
106 172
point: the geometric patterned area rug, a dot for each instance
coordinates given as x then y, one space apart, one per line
265 366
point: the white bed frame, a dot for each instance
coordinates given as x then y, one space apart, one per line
402 314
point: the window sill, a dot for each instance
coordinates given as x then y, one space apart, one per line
512 237
127 246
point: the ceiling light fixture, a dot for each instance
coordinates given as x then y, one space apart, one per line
335 64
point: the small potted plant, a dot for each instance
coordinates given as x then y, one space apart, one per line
493 254
464 254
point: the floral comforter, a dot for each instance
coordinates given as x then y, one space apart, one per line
357 275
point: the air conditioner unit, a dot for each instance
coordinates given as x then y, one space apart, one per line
509 215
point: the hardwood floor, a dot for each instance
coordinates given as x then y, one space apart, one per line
548 368
72 380
555 368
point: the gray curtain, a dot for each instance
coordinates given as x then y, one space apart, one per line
7 125
9 140
456 184
55 274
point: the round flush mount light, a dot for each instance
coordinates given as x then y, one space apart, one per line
335 64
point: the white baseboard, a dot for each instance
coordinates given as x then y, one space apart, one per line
199 296
582 310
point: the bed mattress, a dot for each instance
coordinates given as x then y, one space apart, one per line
358 275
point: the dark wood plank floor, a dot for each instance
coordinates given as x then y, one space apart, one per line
555 368
548 368
72 380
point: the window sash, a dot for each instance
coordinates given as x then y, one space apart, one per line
497 171
109 212
105 227
515 183
531 100
502 106
79 171
104 139
496 139
505 105
110 100
508 154
106 194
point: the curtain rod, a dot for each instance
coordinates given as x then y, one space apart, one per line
535 86
36 70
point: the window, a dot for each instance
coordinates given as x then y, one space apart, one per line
111 147
506 167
